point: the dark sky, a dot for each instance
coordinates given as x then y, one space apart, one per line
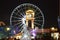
59 8
48 7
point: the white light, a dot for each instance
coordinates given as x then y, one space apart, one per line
25 35
23 20
52 35
56 35
14 32
8 29
32 37
52 28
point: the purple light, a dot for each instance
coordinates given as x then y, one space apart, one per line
34 34
33 30
14 32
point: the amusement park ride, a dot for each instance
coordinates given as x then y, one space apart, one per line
26 16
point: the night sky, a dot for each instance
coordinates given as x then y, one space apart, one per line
48 7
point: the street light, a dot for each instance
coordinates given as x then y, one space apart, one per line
54 29
8 29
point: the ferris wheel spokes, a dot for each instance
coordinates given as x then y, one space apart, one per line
37 20
37 23
16 20
17 24
19 13
38 17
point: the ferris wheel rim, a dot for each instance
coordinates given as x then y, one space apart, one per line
26 4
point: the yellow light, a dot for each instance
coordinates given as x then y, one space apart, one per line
29 15
18 37
56 35
29 11
52 28
8 29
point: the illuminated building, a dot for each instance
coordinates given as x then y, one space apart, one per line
30 17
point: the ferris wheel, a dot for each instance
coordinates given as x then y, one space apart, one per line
19 13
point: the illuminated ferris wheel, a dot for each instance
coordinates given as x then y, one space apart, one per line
28 14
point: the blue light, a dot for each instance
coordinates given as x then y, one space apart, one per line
1 28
